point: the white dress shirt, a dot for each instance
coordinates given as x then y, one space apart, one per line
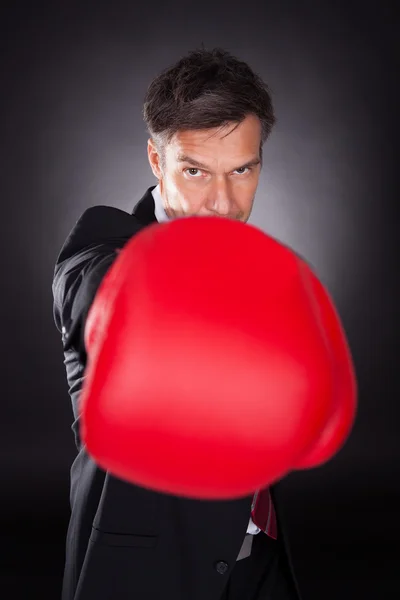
162 217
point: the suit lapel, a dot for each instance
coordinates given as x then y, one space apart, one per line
144 210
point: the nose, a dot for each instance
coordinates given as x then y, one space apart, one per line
219 198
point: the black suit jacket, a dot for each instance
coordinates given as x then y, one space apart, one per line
124 541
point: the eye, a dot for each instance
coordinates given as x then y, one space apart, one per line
190 171
243 170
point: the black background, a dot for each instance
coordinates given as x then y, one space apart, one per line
73 78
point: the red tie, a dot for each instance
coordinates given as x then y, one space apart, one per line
263 513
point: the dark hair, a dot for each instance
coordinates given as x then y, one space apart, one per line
203 90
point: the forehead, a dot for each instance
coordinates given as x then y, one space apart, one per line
233 140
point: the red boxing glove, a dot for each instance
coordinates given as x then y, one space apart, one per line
209 342
340 423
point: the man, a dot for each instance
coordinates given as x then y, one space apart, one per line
208 117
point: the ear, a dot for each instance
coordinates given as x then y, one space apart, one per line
154 159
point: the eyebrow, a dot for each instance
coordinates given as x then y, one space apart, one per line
187 159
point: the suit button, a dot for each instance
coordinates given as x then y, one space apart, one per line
221 567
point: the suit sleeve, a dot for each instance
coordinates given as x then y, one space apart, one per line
86 257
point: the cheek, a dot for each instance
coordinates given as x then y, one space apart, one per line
244 194
241 203
192 202
182 196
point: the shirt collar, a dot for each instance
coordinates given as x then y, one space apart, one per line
159 211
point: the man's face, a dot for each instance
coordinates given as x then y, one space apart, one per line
210 173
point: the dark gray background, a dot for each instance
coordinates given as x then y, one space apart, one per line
73 79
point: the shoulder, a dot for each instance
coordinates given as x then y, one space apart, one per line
99 225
